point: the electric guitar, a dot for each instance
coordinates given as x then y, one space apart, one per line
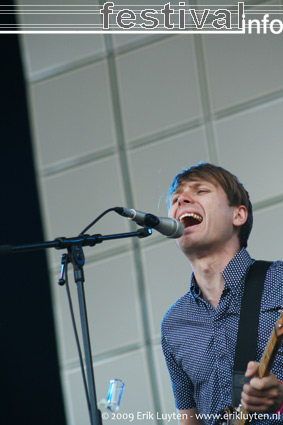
238 415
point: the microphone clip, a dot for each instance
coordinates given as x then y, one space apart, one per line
144 232
151 220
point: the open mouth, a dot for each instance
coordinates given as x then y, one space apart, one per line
190 219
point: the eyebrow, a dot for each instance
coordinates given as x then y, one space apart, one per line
193 184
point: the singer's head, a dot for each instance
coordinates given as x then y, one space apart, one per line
218 176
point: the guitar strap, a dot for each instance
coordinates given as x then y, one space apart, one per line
248 326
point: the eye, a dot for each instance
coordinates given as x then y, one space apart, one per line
203 191
174 200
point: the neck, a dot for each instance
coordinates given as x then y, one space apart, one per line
208 274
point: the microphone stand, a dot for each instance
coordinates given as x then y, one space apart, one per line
76 257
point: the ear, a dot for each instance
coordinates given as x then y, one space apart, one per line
240 215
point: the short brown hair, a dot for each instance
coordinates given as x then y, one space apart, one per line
235 191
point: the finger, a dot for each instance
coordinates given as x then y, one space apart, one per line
266 383
249 391
257 404
252 368
264 407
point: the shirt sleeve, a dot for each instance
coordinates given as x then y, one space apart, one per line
181 384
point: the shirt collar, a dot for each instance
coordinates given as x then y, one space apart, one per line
236 270
195 291
234 273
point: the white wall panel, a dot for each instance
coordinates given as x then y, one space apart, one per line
73 115
267 234
112 303
46 53
62 51
167 275
73 199
122 40
166 394
250 145
137 397
154 166
242 68
158 87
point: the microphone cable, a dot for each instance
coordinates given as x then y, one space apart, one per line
65 281
96 220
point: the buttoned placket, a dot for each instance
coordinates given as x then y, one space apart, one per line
220 345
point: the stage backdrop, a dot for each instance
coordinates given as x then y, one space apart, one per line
113 118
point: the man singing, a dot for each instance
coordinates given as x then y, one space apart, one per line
199 332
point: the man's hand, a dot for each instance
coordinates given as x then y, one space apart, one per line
261 394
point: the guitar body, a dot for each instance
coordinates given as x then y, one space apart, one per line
227 416
238 415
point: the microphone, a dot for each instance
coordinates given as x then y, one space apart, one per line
169 227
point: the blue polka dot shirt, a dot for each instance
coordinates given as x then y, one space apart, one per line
199 342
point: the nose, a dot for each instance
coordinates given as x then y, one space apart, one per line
184 198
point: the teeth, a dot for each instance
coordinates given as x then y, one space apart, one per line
193 215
